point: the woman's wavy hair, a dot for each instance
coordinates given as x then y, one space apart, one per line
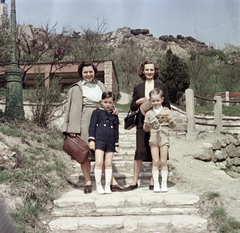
86 63
141 69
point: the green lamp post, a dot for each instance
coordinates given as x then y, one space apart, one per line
14 94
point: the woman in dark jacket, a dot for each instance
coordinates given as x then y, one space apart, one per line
149 73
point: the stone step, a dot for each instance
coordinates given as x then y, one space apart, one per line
126 150
120 166
177 212
141 201
122 178
129 223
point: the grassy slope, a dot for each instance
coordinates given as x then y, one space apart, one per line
40 171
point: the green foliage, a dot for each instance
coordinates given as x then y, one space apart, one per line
127 62
90 45
206 110
231 110
39 174
212 195
219 214
45 101
213 53
224 223
201 75
175 74
122 107
227 167
14 131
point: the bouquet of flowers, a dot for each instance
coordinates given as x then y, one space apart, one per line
160 118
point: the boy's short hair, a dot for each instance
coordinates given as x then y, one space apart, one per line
156 91
108 94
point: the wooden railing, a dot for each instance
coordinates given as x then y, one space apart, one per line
190 112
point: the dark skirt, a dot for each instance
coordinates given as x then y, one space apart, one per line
143 151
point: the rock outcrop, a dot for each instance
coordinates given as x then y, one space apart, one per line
143 38
139 31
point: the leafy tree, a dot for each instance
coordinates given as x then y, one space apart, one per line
89 44
46 103
213 53
228 69
175 74
203 76
128 58
214 71
43 45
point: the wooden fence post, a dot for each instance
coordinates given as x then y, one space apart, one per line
190 110
227 98
218 114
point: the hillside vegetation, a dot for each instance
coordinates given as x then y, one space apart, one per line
34 171
210 70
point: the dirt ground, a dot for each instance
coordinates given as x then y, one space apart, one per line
199 177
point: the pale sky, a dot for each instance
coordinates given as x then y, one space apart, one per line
215 22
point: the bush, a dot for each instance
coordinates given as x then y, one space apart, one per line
175 74
45 101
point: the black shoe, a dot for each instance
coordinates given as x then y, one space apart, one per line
87 189
151 187
117 188
132 187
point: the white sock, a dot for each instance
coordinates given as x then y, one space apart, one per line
164 181
108 177
98 176
155 174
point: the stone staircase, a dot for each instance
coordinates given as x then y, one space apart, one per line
140 210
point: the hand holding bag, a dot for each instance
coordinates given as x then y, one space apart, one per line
130 120
76 148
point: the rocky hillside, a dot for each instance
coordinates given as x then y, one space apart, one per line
143 38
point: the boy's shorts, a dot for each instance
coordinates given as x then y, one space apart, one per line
106 147
159 137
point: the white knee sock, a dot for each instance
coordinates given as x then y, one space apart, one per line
164 181
108 177
98 176
155 174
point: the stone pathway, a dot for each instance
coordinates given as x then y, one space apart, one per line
140 210
125 98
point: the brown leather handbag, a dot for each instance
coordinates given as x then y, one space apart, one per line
76 148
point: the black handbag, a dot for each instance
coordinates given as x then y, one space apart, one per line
130 120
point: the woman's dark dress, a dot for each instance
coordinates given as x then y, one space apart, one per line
142 138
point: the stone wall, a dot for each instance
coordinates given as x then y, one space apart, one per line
224 152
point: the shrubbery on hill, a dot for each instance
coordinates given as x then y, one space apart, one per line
175 74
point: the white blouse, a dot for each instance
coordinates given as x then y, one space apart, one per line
149 85
92 93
